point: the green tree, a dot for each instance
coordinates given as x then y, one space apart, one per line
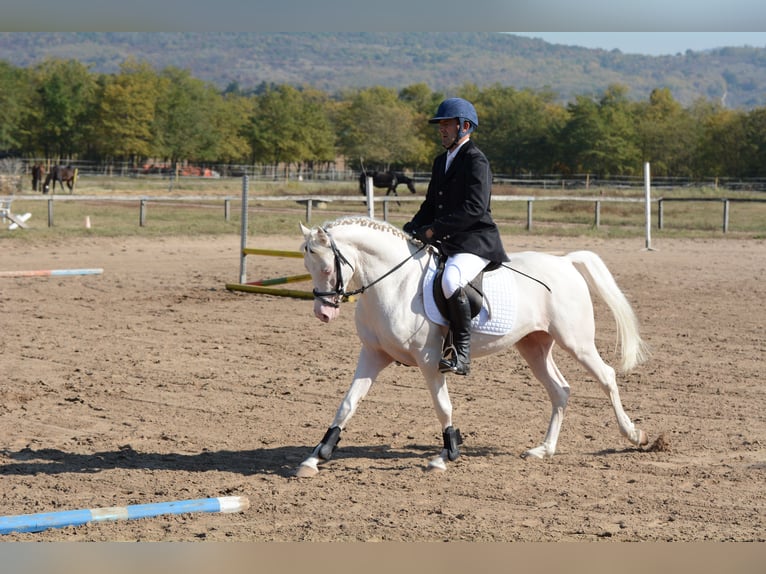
665 134
65 94
181 126
518 130
318 129
290 126
378 130
755 143
229 118
424 104
600 136
723 143
14 106
126 112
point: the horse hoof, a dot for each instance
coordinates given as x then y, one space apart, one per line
306 471
437 465
643 440
538 452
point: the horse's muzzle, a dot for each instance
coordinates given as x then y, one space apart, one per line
324 312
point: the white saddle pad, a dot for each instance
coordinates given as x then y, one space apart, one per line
498 311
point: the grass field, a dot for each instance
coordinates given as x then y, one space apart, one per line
113 207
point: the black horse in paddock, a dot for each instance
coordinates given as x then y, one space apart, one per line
61 174
385 179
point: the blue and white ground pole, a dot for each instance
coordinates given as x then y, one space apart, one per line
46 520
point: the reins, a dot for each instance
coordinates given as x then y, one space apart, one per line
340 291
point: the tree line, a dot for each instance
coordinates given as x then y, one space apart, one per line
61 110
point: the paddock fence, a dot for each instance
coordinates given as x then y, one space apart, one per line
309 203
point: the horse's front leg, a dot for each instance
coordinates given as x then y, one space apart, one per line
437 385
370 364
392 191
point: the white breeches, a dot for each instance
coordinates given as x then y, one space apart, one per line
459 270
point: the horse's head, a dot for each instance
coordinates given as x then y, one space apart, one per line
326 266
401 178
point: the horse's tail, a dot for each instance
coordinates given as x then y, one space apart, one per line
633 350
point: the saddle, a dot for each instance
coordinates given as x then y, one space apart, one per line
473 290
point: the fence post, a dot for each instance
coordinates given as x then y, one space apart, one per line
660 222
226 209
50 212
725 215
598 214
529 214
142 213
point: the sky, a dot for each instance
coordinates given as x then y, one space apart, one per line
609 16
652 43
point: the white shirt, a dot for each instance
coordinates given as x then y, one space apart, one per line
451 154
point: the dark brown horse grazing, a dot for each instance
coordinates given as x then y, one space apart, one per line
37 176
62 175
386 179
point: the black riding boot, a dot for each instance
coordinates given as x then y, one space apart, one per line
457 358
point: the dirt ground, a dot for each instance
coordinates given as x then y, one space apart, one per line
153 383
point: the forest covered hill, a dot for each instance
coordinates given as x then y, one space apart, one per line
333 62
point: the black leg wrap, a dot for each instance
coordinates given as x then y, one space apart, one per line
329 443
452 440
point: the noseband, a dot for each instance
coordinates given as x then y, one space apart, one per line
340 293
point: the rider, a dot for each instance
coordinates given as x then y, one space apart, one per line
456 213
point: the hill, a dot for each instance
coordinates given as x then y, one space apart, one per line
336 61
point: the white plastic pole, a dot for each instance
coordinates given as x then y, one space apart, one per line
370 197
648 192
243 233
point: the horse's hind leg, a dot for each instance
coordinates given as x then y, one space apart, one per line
369 366
536 349
605 375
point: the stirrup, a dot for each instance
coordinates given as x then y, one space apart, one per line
454 366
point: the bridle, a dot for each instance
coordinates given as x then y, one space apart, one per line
340 293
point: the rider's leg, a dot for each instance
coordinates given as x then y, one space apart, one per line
459 269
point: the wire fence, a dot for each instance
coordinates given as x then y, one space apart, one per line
330 171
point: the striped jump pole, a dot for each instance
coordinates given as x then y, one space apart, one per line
271 252
294 293
264 285
281 280
51 272
46 520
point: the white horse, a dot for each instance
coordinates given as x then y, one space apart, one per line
385 268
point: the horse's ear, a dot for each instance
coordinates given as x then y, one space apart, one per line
322 236
305 230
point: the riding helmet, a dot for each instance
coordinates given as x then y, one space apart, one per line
456 108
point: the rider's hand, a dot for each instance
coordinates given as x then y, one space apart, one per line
424 234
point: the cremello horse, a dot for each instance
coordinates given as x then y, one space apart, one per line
385 268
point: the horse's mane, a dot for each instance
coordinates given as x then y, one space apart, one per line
367 222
